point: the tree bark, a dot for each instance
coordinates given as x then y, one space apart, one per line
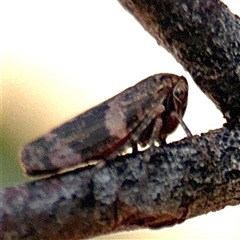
181 180
203 36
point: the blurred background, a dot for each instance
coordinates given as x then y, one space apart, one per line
60 58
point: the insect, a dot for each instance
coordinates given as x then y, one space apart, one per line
142 114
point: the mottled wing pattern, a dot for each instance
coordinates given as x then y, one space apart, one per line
99 132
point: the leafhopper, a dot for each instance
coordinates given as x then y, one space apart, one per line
142 114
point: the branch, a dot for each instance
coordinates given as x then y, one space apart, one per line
204 36
176 184
182 180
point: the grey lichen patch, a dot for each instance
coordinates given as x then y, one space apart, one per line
238 70
105 185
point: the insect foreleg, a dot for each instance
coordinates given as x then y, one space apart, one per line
183 124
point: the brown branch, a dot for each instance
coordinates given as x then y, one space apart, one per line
181 180
204 36
176 184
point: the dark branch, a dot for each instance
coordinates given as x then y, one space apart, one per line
182 180
204 36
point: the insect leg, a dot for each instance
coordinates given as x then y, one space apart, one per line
183 124
147 131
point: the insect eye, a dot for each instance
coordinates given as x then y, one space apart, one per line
180 92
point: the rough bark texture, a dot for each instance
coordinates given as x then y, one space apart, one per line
204 36
181 180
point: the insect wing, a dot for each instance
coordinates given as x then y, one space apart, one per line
103 130
92 135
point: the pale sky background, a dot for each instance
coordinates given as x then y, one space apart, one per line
63 57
